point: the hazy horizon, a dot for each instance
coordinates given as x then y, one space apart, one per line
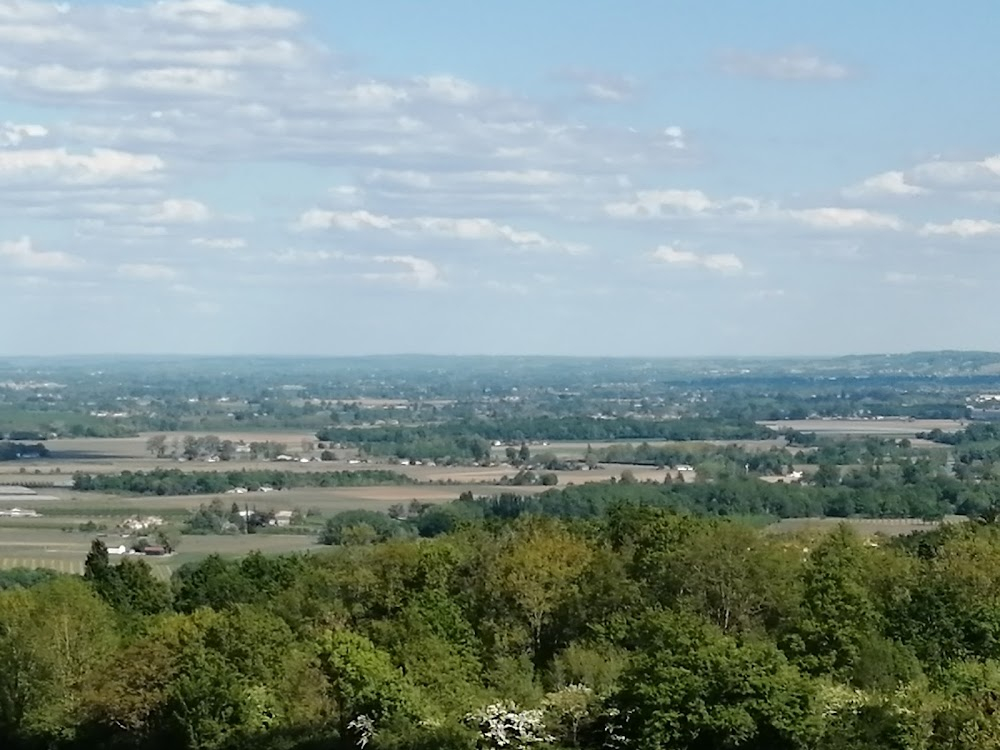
304 178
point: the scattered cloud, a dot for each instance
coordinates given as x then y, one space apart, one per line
179 211
220 243
416 272
658 204
600 87
962 228
650 204
905 278
21 253
473 229
794 65
445 88
844 218
957 175
147 272
100 165
221 16
885 184
308 257
724 263
12 134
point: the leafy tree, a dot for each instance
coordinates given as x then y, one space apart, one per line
157 445
689 686
838 614
363 681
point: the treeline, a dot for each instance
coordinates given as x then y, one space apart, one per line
976 432
919 495
774 461
648 630
747 497
177 482
472 438
10 451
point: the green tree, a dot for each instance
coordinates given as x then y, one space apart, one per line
691 687
838 614
363 681
157 445
524 454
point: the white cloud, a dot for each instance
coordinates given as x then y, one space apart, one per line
795 65
26 11
417 272
220 243
600 87
21 254
178 211
448 89
653 203
317 218
146 272
262 52
309 257
59 79
957 174
724 263
886 183
905 278
449 227
962 228
182 80
844 218
675 137
222 16
99 166
12 134
660 204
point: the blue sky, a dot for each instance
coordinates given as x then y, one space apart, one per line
679 179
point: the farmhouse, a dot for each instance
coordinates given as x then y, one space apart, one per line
283 518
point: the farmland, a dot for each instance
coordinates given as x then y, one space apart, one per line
64 552
436 424
53 540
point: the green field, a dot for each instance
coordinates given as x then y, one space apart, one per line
65 552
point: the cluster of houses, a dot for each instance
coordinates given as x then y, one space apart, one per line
281 518
141 525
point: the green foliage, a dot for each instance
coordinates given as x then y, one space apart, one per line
645 628
11 451
363 680
130 587
177 482
25 578
690 686
359 527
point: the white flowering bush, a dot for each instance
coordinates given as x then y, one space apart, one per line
502 725
364 727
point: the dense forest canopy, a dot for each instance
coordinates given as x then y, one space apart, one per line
647 629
